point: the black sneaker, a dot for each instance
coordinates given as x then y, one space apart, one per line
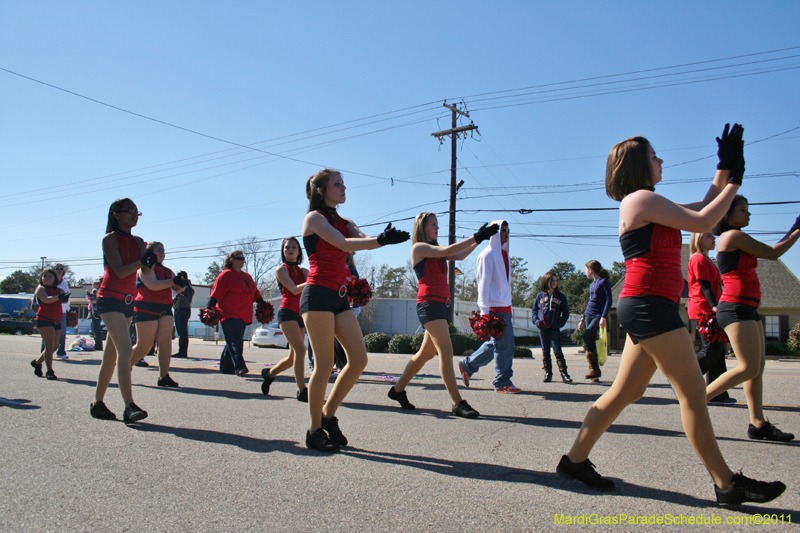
51 375
141 363
133 413
166 381
768 431
100 411
402 398
267 381
319 441
302 395
743 489
331 426
37 368
583 472
464 410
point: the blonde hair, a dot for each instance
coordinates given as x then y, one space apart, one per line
695 245
418 233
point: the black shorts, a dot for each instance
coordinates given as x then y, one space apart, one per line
729 313
432 310
319 298
287 315
40 323
150 312
645 317
112 305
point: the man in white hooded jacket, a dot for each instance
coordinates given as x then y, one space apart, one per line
494 294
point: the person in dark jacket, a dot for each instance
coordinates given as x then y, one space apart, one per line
596 314
183 311
550 314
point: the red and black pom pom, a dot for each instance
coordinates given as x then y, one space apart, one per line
709 327
359 292
265 312
210 317
72 319
486 326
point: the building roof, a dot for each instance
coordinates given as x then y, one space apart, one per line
780 288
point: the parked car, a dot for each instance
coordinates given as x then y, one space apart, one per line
17 327
270 335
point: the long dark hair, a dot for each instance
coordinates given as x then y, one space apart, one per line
55 278
723 225
300 248
546 282
316 187
111 225
595 266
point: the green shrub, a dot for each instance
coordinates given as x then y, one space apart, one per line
794 338
401 344
416 342
377 342
527 340
778 349
521 351
462 343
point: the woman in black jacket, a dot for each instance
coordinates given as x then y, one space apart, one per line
550 314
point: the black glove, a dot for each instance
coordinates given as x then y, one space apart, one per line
149 259
796 225
64 296
178 281
212 303
392 236
731 153
260 300
485 232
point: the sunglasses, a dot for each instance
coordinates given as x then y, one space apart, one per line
504 230
241 258
58 268
132 211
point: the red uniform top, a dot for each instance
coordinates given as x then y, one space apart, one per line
327 263
235 293
506 309
652 262
164 296
701 268
432 275
288 300
113 286
50 312
738 270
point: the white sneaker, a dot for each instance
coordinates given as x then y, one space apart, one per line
62 357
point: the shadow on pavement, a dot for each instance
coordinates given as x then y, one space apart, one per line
21 404
241 441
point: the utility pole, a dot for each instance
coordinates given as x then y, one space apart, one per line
453 132
43 258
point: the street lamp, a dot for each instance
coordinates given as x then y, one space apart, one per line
43 258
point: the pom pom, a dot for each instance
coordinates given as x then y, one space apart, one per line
210 317
487 326
709 328
72 319
265 312
359 292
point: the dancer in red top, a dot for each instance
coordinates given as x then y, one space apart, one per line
152 312
324 307
48 320
649 229
291 278
123 255
737 312
433 300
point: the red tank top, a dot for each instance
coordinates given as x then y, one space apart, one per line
327 263
432 275
739 278
113 286
143 294
652 262
288 300
50 312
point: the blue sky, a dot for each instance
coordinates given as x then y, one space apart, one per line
360 87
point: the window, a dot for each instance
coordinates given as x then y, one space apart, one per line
772 328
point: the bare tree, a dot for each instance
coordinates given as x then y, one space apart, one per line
261 258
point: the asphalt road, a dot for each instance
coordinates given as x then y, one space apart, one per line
217 455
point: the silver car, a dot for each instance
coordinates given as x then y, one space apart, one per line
270 335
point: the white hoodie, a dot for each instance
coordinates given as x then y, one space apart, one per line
494 285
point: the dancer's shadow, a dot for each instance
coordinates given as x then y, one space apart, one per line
18 403
220 393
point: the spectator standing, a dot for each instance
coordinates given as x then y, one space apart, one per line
595 316
183 312
60 270
550 314
97 328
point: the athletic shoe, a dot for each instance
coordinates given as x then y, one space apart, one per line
724 401
51 375
583 472
267 381
743 489
768 431
335 435
133 413
37 368
141 363
464 374
464 410
100 411
166 381
508 389
302 395
402 398
319 441
62 356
